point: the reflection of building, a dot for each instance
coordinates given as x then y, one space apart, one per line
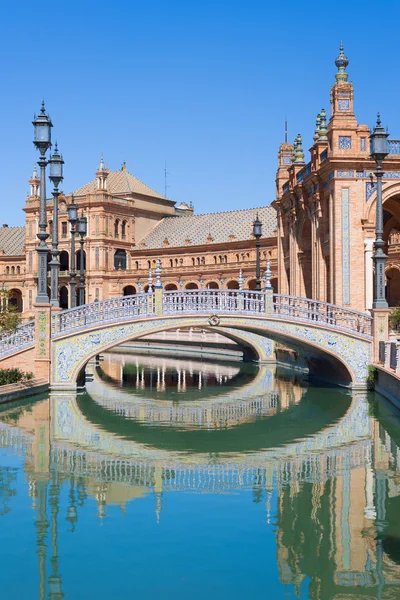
336 494
341 539
129 227
326 208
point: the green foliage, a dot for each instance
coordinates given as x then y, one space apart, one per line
372 374
9 317
394 318
13 376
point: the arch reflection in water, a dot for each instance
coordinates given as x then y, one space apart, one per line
331 488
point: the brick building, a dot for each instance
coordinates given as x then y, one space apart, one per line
326 208
130 226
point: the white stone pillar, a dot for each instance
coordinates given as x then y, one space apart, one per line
369 273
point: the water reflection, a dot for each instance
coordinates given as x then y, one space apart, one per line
323 465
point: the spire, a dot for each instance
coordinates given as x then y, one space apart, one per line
286 136
317 126
35 173
101 165
323 137
298 153
341 62
102 175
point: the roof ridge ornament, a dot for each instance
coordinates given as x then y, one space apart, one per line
317 128
299 154
341 62
323 130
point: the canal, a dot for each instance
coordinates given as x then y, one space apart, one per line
182 478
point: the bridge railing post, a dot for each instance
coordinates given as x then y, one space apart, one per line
269 301
42 359
380 329
157 307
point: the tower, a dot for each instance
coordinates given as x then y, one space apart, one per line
34 182
101 175
342 97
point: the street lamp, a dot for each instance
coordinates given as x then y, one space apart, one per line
42 140
56 176
82 230
379 150
72 218
257 232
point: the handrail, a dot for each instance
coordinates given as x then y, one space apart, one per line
189 302
103 311
22 337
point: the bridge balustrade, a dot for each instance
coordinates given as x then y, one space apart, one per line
334 316
103 311
21 338
208 301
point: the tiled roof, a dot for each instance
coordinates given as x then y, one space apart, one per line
199 229
119 182
12 240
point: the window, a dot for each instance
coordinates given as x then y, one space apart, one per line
137 265
12 270
193 262
120 260
363 144
116 228
171 262
97 258
148 264
7 270
64 226
123 230
18 270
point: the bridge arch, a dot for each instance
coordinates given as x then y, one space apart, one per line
327 353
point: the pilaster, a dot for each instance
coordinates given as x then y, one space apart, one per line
380 329
42 340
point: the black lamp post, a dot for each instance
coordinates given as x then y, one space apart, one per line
56 176
379 150
42 140
257 232
72 218
81 228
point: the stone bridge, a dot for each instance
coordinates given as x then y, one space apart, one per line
335 342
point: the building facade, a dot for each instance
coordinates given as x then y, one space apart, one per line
130 226
326 208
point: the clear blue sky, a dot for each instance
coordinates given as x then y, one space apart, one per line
203 85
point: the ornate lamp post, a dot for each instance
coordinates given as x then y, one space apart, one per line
257 232
82 230
42 140
379 150
56 176
72 218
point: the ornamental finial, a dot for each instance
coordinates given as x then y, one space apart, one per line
158 273
299 154
341 62
150 281
43 110
101 166
240 279
323 130
378 119
267 276
317 126
35 173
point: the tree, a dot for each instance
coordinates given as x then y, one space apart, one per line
9 317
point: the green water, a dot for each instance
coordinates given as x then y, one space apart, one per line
175 479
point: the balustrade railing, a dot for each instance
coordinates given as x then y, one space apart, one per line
389 354
322 313
181 302
22 337
394 146
209 301
103 311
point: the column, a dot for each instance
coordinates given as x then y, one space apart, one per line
369 272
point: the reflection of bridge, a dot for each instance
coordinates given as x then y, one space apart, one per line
331 338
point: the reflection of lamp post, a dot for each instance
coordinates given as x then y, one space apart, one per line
379 150
82 230
56 176
72 218
42 140
257 232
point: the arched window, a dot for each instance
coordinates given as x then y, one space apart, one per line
154 263
12 270
64 297
226 259
171 262
221 259
237 258
16 300
123 230
215 260
116 228
18 270
7 270
176 262
198 261
120 260
148 264
193 262
129 290
203 260
64 261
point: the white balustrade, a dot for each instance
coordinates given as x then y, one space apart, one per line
22 337
188 302
104 311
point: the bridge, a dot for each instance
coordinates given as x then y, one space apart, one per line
337 343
